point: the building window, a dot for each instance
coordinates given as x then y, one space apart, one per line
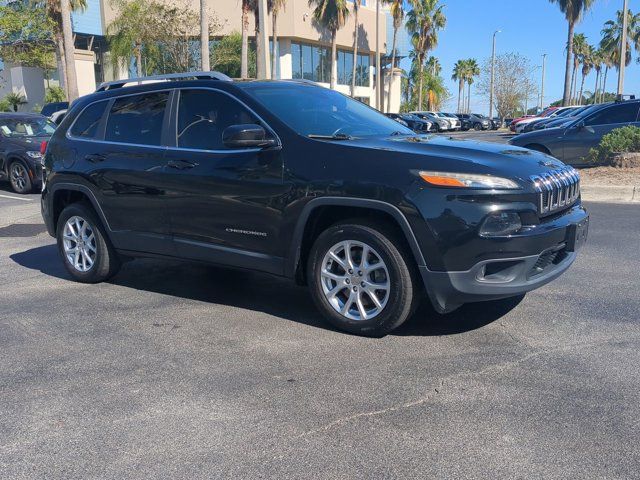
313 62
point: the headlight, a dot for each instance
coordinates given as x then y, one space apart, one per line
500 223
34 154
467 180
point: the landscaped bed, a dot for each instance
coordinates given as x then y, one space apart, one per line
610 176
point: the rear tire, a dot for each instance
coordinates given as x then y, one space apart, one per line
354 299
477 127
85 248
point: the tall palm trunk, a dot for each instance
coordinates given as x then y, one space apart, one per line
604 84
393 61
69 51
469 98
334 63
567 72
244 51
420 79
274 44
572 95
581 89
60 61
138 50
204 36
355 50
595 89
259 46
460 92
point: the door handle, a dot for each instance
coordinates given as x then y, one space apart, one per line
95 158
181 164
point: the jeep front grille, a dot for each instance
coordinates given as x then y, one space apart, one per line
557 189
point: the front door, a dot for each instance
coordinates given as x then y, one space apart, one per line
584 136
225 205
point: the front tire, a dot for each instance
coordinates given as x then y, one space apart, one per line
19 177
477 127
84 246
362 279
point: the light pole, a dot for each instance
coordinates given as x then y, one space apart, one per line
264 65
493 63
623 48
544 59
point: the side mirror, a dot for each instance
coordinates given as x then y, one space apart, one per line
246 136
581 126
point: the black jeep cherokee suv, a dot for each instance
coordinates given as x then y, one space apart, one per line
293 179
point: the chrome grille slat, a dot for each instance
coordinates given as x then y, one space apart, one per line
557 189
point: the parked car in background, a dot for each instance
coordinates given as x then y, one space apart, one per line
58 116
559 119
572 141
414 122
453 120
465 122
551 112
545 113
51 108
302 182
439 124
496 123
21 137
479 121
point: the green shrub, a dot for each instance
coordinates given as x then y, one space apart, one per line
54 94
5 106
620 140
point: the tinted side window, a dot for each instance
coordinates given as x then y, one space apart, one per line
86 125
137 119
203 115
621 113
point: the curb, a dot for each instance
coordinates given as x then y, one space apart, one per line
610 193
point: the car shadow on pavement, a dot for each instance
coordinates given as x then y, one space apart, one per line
259 292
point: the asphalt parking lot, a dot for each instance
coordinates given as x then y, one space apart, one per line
187 371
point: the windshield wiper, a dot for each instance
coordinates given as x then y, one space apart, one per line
398 132
337 136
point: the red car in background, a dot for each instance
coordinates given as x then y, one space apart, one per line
545 113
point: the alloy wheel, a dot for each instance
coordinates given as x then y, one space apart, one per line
18 176
355 280
79 242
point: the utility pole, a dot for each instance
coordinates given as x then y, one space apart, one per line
544 58
623 48
379 78
264 65
493 65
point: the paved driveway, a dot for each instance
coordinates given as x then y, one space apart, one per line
188 372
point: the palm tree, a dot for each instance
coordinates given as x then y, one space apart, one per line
587 64
247 7
204 36
424 20
54 10
69 50
611 36
473 70
275 7
397 13
596 63
356 11
579 47
331 15
129 32
15 100
460 76
572 10
609 61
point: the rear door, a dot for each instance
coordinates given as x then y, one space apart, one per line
225 204
127 166
581 138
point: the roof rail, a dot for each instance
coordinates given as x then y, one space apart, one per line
163 78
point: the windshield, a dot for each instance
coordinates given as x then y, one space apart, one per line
27 127
317 111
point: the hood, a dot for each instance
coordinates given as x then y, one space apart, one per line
441 153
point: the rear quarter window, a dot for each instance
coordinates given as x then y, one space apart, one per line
86 125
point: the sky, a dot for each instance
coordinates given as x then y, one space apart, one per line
530 28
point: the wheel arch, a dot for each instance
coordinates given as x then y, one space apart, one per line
63 194
538 147
313 219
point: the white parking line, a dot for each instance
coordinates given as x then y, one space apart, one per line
17 198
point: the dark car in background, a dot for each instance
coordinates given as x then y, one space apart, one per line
21 137
302 182
479 122
465 121
571 115
572 140
414 122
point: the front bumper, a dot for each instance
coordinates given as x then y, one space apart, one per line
500 276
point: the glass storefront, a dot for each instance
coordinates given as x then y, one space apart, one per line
313 62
